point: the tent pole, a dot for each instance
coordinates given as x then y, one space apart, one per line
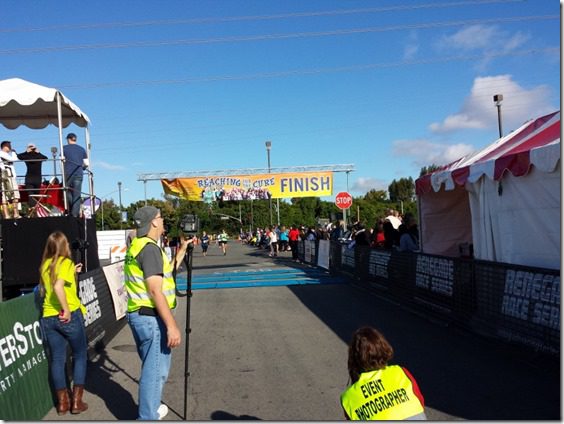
62 156
90 176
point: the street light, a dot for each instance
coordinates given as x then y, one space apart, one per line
120 207
268 145
497 98
102 203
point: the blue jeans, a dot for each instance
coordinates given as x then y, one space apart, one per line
151 340
74 185
57 334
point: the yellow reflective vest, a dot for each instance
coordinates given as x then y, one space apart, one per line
137 294
385 394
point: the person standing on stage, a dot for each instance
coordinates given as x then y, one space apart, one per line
151 293
10 191
33 160
76 160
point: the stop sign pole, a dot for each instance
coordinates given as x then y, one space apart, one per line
343 201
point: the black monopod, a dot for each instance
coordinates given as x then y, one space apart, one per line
188 225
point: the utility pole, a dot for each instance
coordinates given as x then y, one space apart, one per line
268 145
120 207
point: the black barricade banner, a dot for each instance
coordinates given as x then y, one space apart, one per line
347 257
25 393
94 293
533 297
434 281
518 304
514 303
301 250
378 262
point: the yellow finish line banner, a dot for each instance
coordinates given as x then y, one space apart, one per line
251 187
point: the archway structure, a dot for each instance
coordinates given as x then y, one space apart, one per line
249 183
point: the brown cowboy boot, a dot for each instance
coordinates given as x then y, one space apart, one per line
78 405
63 401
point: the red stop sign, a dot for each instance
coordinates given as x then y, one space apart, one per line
343 200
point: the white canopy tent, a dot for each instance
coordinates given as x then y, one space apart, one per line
503 199
35 106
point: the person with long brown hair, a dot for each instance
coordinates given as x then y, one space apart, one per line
379 391
63 321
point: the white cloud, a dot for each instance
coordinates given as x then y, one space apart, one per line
109 166
516 41
478 110
470 38
412 46
364 185
483 37
426 152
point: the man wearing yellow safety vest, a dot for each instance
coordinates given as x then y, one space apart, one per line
151 297
379 391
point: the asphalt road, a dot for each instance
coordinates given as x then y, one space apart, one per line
280 353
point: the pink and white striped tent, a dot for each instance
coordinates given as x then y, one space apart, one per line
504 199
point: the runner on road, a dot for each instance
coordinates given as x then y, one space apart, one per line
222 239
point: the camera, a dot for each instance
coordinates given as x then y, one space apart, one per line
79 244
190 224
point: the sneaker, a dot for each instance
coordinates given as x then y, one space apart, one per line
162 411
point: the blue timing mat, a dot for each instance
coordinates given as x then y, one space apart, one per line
258 278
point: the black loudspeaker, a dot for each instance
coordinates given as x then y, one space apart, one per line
23 241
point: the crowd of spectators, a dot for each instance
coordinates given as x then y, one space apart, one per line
392 232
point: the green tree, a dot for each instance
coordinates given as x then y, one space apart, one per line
376 196
428 169
108 216
402 190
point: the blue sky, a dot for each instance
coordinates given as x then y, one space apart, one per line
389 86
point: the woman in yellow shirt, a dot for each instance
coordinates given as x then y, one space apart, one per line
63 321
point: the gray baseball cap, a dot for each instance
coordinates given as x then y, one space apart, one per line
143 218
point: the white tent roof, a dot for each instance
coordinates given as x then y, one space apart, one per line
35 106
536 143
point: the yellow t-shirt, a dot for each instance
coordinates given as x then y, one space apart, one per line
64 271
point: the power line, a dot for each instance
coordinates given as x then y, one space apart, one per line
195 21
294 35
301 72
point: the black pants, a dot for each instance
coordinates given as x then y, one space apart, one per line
294 247
32 187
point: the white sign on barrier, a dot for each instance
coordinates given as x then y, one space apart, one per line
116 282
323 254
